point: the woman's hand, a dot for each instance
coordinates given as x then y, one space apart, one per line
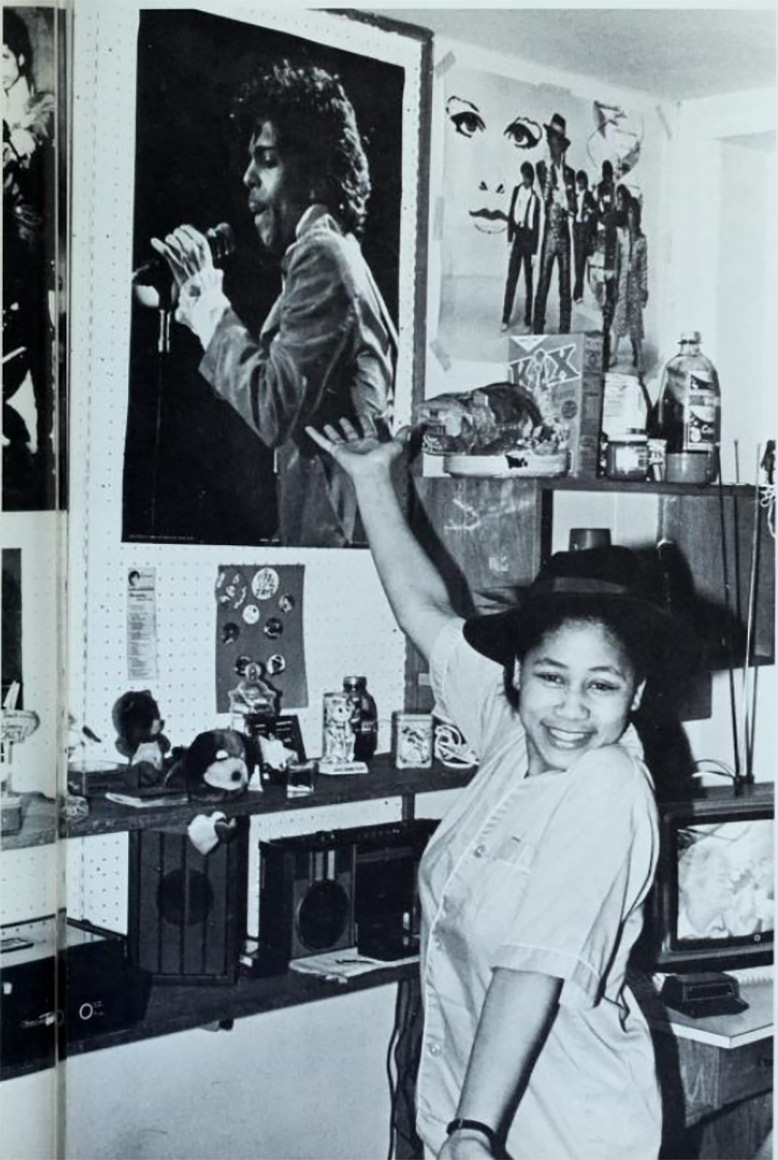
465 1145
187 253
360 456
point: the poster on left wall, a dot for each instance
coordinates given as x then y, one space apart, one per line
33 258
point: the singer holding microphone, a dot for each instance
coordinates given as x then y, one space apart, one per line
328 346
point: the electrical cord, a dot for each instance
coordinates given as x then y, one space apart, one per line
721 768
393 1084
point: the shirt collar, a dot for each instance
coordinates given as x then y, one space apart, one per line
312 214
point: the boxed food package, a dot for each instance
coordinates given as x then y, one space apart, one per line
564 374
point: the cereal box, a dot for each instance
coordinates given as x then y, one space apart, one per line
564 374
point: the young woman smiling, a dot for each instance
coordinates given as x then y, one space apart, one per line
533 885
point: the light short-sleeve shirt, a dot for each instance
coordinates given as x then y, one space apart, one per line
545 874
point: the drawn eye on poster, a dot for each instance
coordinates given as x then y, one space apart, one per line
526 213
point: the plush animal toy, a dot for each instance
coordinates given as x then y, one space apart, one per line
214 767
138 723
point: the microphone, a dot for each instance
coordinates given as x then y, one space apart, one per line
221 241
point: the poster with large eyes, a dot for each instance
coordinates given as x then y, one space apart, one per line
539 216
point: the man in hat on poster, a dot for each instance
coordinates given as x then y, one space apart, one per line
557 189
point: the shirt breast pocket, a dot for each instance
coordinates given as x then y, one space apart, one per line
499 879
514 851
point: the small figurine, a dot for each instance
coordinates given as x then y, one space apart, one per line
252 697
339 734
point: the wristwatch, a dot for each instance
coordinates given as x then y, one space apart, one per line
461 1125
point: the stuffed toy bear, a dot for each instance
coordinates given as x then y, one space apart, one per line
138 723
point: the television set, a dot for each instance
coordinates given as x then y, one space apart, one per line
712 904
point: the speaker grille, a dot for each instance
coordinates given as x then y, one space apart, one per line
187 911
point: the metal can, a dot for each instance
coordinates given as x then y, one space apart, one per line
412 735
627 457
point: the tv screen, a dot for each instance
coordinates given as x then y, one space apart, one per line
724 876
712 905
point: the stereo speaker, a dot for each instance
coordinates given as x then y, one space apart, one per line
187 911
339 888
306 897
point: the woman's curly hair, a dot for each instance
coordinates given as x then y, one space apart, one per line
315 123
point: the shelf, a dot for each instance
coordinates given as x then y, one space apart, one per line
182 1008
647 488
383 781
39 823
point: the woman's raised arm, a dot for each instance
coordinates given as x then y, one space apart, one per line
414 587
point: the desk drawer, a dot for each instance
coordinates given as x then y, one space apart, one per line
745 1071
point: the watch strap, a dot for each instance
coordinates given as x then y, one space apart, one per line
463 1124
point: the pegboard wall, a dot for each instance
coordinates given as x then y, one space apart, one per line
29 883
38 537
347 624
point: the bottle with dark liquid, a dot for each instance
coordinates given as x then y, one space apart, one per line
688 413
366 726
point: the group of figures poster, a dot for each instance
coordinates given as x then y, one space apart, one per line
542 205
33 266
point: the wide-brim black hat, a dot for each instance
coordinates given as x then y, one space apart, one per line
608 582
557 127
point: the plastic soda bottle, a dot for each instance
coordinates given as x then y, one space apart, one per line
689 407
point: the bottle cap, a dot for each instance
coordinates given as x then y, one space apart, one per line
691 336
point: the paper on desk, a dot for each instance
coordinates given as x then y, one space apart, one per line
145 803
340 966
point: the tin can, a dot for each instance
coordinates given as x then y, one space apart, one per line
627 457
339 727
412 740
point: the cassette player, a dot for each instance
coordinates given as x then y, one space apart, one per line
703 993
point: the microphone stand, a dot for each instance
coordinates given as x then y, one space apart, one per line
164 314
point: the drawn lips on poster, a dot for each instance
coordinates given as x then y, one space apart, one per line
284 140
502 193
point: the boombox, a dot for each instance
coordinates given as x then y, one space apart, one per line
339 888
187 910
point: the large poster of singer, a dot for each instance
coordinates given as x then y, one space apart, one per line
30 436
268 183
541 207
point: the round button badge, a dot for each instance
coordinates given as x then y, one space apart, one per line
265 583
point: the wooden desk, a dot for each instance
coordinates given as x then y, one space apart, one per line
717 1078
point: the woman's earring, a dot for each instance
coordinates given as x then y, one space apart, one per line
638 697
517 676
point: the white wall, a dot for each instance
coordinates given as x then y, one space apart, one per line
299 1084
28 1117
720 279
